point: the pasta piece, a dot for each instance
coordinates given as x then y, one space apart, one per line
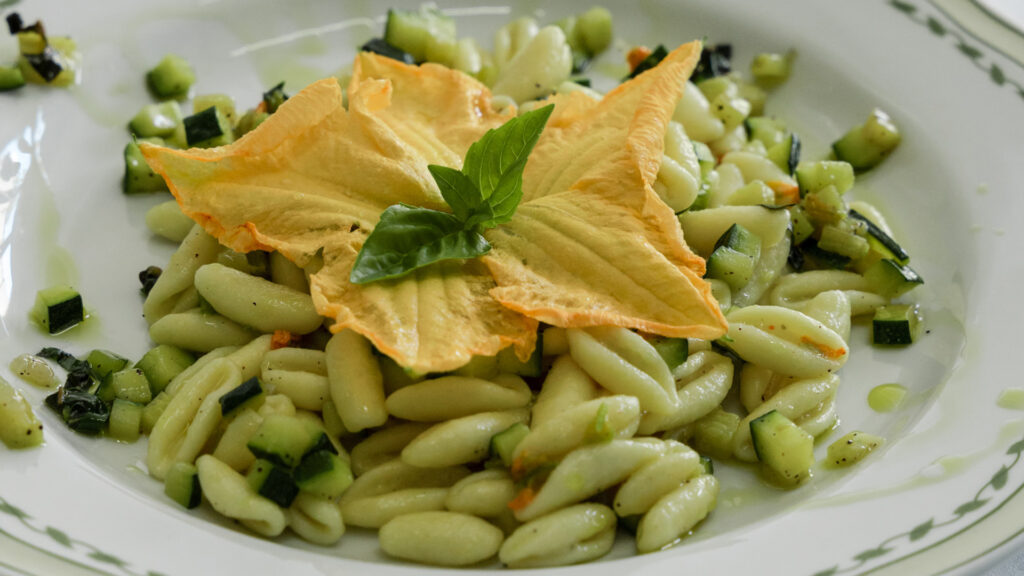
355 381
277 404
785 341
198 331
734 140
565 385
758 384
376 511
703 228
299 374
703 382
589 470
256 302
803 397
230 494
723 181
232 448
384 445
200 364
535 71
623 362
286 273
656 479
168 221
572 535
460 441
249 358
397 475
555 341
793 289
549 441
831 308
677 513
191 418
485 493
679 178
758 167
450 397
694 112
197 249
316 519
440 539
511 38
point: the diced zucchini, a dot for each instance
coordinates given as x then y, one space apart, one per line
156 120
249 121
49 61
139 178
786 154
783 446
865 146
768 131
817 259
838 240
770 70
104 362
731 110
381 46
273 98
152 412
815 176
207 129
172 77
286 439
891 279
533 367
673 351
11 78
129 384
273 482
239 396
503 444
162 364
852 448
125 420
896 325
755 95
880 241
324 474
222 102
19 427
58 308
713 434
708 464
801 223
734 268
409 31
714 87
825 206
182 484
741 240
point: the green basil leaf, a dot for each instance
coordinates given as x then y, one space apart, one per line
407 238
495 165
458 191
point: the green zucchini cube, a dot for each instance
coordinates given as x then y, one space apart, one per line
58 308
172 77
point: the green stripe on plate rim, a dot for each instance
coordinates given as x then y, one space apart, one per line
966 43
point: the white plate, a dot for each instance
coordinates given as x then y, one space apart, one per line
944 492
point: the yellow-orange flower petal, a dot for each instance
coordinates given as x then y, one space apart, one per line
315 177
592 244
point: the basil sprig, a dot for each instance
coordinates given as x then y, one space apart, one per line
483 195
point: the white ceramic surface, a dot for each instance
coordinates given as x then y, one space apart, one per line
942 495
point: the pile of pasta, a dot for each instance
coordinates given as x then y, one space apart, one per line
616 436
